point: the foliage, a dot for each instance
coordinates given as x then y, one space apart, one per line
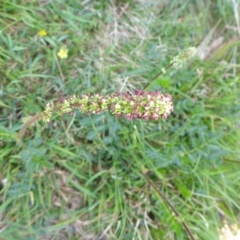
81 176
7 135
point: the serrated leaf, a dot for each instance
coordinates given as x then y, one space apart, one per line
7 135
107 140
164 82
34 158
91 135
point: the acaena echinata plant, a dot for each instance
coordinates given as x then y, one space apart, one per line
140 104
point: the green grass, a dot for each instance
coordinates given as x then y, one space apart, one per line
81 177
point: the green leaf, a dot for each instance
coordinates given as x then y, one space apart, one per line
164 82
7 135
3 104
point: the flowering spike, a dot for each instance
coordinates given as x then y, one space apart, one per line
136 105
140 105
183 56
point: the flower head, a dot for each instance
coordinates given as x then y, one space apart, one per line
63 53
140 105
183 56
42 33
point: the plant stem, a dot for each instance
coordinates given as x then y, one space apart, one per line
26 125
156 76
161 195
